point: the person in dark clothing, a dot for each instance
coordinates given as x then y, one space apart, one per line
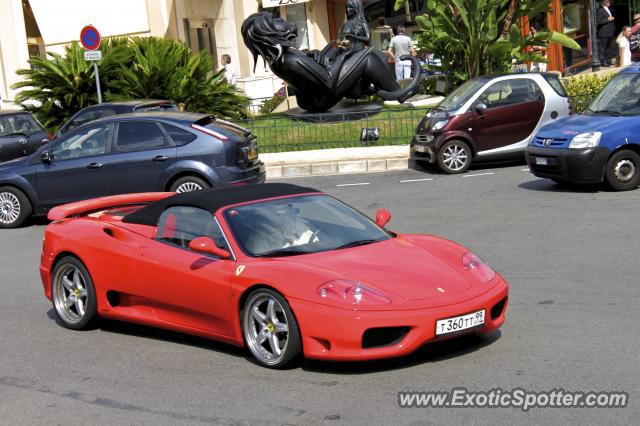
606 32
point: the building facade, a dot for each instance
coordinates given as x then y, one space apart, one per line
35 27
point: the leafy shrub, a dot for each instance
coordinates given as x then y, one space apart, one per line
583 89
135 68
272 103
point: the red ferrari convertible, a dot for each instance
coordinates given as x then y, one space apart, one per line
281 269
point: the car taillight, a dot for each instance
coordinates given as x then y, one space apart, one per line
210 132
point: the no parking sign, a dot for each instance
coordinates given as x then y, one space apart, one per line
91 39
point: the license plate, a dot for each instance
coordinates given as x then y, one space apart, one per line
420 148
541 161
252 154
463 322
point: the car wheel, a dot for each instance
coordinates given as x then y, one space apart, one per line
270 330
454 157
15 207
188 184
74 297
623 170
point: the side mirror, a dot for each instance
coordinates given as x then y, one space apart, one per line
383 217
481 108
45 158
207 245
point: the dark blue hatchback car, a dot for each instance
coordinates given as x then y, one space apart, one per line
142 152
602 144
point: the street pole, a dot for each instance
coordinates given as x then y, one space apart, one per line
593 37
95 69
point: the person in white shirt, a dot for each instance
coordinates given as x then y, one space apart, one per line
229 75
400 45
624 46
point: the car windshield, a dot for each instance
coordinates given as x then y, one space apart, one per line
300 225
621 96
18 125
461 95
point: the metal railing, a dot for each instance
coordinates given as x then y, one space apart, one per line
336 130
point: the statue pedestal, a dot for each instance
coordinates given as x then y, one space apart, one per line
344 111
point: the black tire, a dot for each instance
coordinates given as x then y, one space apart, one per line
13 201
72 316
623 170
454 157
188 184
291 349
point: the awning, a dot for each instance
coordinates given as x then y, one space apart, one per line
276 3
61 21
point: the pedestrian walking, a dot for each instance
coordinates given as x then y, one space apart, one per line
400 45
606 30
634 40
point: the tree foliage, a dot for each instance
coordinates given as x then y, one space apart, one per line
57 87
477 37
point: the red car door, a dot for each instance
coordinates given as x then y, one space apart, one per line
514 108
185 287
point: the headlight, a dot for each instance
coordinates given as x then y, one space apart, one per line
476 267
351 293
586 140
439 125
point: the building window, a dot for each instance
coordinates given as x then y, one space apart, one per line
297 14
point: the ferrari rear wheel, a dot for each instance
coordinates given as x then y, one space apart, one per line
74 297
270 330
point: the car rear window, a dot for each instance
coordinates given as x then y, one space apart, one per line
179 136
212 123
138 135
555 82
19 124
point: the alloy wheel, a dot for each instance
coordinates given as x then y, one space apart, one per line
70 294
188 187
9 208
266 328
455 157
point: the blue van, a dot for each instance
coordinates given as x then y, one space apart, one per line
601 144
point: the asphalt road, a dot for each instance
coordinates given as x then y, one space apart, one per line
570 256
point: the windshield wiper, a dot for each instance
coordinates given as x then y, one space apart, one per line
356 244
281 253
606 112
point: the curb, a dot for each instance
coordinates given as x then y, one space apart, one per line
336 161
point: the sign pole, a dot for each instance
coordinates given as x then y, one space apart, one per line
90 39
95 69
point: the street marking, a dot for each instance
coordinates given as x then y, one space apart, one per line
525 170
354 184
478 174
415 180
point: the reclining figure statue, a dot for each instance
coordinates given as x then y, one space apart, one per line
320 79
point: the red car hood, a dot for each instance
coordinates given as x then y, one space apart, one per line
396 267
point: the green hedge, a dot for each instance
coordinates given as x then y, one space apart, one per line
583 89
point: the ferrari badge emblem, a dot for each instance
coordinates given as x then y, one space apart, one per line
239 270
440 289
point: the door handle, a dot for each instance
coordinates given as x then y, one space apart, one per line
94 166
160 158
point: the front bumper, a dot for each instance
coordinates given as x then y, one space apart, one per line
571 165
337 334
422 151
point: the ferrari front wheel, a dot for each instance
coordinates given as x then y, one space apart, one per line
270 330
74 297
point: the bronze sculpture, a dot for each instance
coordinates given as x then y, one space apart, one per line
321 79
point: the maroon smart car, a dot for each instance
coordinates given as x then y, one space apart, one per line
488 118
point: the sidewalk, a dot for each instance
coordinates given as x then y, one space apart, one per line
336 161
